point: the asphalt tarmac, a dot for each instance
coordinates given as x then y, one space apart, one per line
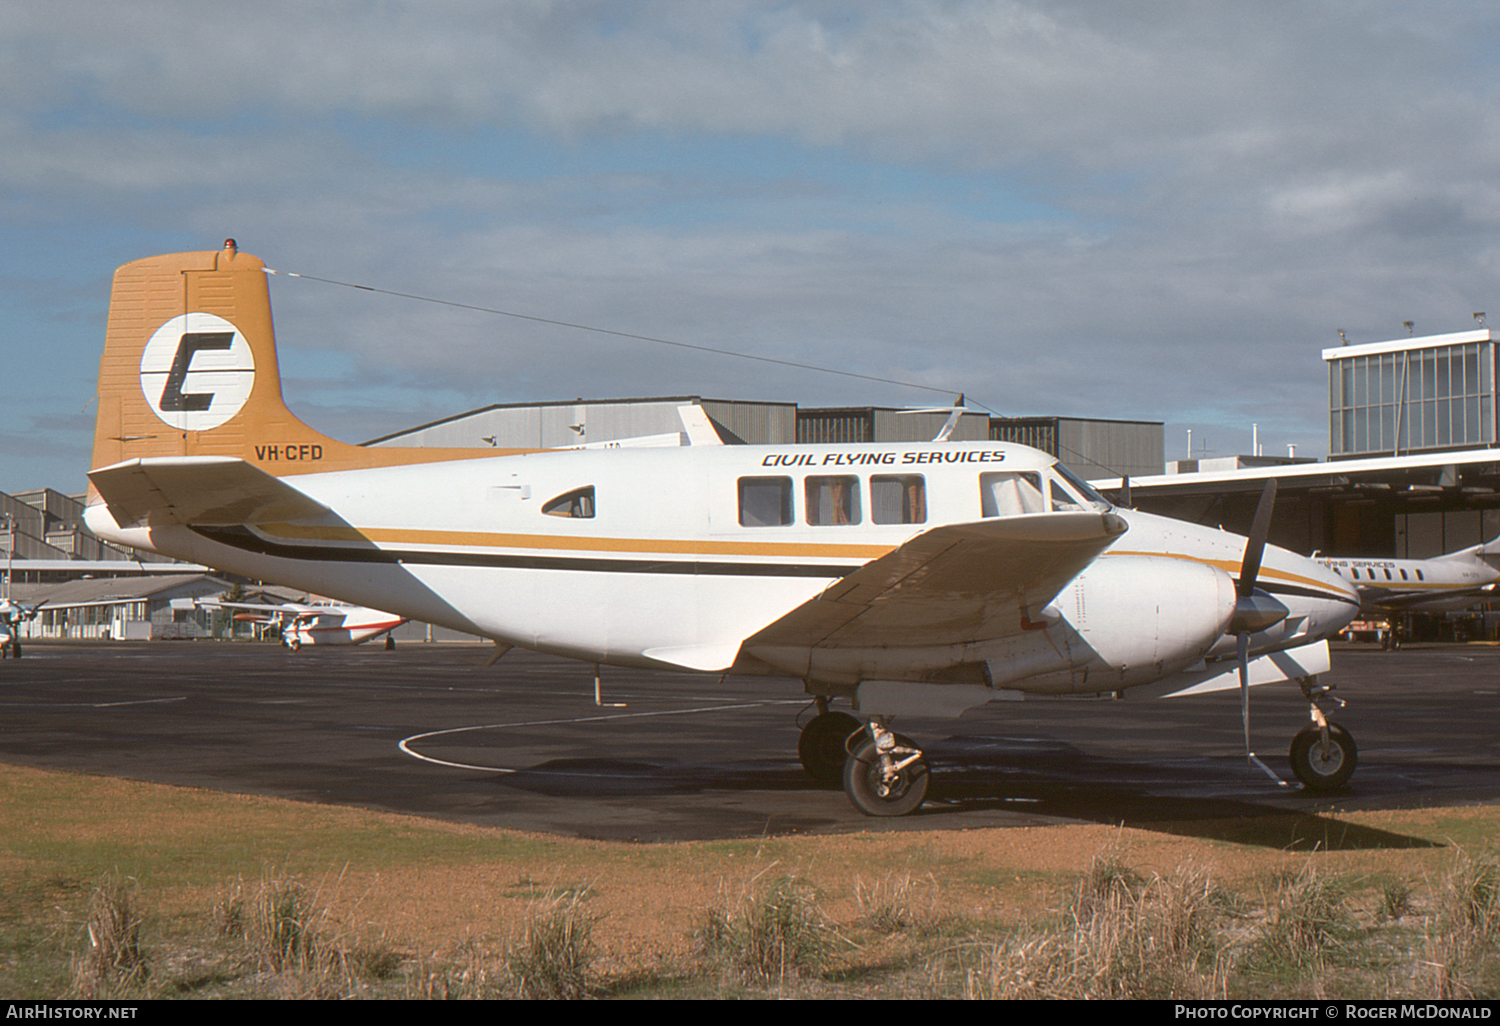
430 730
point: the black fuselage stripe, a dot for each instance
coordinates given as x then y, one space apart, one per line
1303 592
240 538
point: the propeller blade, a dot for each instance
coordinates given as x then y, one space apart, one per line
1252 612
1255 545
1242 650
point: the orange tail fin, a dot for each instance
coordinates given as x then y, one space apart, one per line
190 369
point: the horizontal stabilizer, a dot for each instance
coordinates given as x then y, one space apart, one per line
205 490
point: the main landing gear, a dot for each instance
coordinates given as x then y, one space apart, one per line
884 773
1323 754
823 745
887 774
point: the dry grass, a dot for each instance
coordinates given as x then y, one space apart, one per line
113 961
556 954
433 910
770 934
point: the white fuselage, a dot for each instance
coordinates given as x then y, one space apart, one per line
1442 584
339 625
675 557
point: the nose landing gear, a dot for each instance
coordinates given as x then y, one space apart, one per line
1323 754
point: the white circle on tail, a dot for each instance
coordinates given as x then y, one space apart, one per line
197 371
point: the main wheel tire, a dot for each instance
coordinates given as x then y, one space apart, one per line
862 782
822 746
1319 770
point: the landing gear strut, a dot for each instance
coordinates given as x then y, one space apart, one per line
887 774
1323 754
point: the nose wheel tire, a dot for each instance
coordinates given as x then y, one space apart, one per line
1320 767
874 792
822 745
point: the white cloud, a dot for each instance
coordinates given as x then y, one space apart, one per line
1104 208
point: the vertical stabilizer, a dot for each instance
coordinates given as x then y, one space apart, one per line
190 369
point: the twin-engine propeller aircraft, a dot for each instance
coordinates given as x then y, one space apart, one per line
315 623
1388 588
900 577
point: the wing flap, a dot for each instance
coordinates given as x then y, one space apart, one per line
950 585
206 490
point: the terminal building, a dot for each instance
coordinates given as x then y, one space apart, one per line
1413 469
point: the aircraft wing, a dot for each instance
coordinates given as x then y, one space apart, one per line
208 490
950 585
1425 602
284 607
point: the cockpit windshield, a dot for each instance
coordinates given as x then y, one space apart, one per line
1083 495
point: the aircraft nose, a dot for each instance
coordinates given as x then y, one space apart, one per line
1340 606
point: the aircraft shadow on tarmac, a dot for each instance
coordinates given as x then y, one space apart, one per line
1039 779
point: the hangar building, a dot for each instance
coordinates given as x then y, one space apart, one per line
1091 447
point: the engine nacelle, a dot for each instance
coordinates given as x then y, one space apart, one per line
1143 617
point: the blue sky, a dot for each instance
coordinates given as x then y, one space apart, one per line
1084 207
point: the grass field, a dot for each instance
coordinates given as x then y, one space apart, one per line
125 889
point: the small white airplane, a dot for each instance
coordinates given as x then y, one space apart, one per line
315 623
1389 587
903 577
12 615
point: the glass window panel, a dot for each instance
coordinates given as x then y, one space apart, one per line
577 503
898 499
765 501
1008 495
831 500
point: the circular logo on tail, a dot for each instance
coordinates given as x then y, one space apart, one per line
197 371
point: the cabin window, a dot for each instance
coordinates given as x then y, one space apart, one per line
1009 495
577 503
765 501
831 500
1388 575
1403 576
1421 576
898 499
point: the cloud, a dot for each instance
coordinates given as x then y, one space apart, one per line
1082 207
